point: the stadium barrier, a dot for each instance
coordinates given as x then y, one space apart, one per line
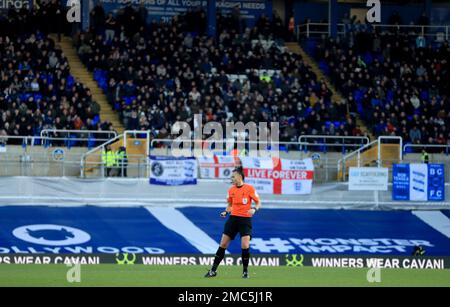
343 144
62 161
375 153
137 148
55 137
125 192
430 148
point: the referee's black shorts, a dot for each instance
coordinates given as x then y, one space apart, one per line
238 224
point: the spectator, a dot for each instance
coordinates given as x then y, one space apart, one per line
176 72
396 88
110 27
37 90
415 135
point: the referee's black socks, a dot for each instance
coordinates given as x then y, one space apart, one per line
245 258
218 258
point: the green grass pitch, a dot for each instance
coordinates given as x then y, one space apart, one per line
184 276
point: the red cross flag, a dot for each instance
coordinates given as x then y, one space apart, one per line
279 176
216 167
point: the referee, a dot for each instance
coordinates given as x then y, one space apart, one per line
240 197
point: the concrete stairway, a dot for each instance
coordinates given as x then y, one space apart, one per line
336 96
81 73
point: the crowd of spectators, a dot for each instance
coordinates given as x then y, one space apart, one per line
49 16
37 90
157 73
396 81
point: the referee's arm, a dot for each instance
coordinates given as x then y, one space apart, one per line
258 204
255 197
227 210
256 207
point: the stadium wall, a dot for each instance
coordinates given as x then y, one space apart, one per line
62 161
250 10
68 191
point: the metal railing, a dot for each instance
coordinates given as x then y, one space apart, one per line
302 140
301 145
342 162
317 29
137 167
99 149
44 165
229 143
446 148
39 164
69 135
45 139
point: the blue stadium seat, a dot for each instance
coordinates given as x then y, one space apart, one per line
70 81
96 119
424 95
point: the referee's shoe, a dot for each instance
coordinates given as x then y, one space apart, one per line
210 274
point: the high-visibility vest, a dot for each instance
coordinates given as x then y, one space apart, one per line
121 157
109 158
265 78
425 157
104 157
113 158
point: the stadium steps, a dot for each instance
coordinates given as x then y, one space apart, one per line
336 96
80 73
389 154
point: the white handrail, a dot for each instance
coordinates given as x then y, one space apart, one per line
222 141
385 137
425 146
46 131
43 138
359 150
309 136
102 146
356 152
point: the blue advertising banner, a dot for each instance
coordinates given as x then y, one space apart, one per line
345 232
173 171
86 230
195 230
400 182
436 182
164 10
418 182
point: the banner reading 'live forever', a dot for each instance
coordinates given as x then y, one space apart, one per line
279 176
